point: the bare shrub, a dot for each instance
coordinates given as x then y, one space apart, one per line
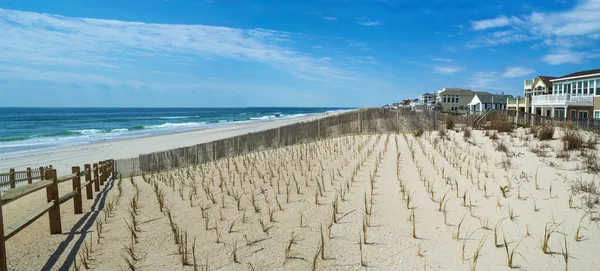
562 154
590 143
418 132
545 132
501 147
467 133
590 161
494 136
572 140
442 133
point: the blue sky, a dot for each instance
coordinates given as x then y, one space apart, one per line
226 53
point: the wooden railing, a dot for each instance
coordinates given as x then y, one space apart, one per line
94 175
13 177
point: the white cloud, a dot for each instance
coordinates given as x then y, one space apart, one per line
490 23
563 57
512 72
446 70
323 16
365 22
363 60
441 59
484 81
59 40
576 27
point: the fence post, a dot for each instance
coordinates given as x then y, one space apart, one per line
3 265
42 176
29 179
96 178
52 196
77 208
101 173
12 178
88 176
114 169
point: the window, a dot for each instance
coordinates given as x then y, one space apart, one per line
585 87
456 99
573 113
579 87
444 98
596 114
583 114
598 87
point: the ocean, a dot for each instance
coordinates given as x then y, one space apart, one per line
34 129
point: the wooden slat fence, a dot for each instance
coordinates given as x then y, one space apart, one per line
366 121
93 175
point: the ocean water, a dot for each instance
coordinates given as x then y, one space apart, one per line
34 129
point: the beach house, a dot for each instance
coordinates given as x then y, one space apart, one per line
483 101
568 96
454 99
427 99
539 85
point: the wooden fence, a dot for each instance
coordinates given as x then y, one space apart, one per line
527 120
365 121
13 177
94 176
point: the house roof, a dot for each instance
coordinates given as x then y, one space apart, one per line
546 80
487 98
580 73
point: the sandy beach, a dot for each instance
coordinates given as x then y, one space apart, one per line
63 159
387 202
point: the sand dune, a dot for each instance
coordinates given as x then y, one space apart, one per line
388 202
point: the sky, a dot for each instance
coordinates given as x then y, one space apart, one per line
316 53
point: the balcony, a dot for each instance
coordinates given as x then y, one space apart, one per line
562 100
513 102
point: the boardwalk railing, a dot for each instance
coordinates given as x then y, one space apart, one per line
93 175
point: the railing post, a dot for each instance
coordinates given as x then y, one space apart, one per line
77 207
3 265
12 178
42 176
88 176
52 196
96 178
101 172
29 179
114 168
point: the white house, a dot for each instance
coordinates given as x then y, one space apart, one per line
483 101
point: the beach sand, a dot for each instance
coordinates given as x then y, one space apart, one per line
274 210
62 159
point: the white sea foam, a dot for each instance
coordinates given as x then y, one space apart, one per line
88 131
121 130
179 117
169 125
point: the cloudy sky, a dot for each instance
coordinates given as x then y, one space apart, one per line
228 53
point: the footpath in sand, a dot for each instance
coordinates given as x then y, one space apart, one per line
388 202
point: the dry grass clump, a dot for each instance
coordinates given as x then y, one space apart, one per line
501 147
572 140
442 133
494 135
467 133
418 132
590 161
545 132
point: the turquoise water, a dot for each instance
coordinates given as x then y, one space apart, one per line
33 129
